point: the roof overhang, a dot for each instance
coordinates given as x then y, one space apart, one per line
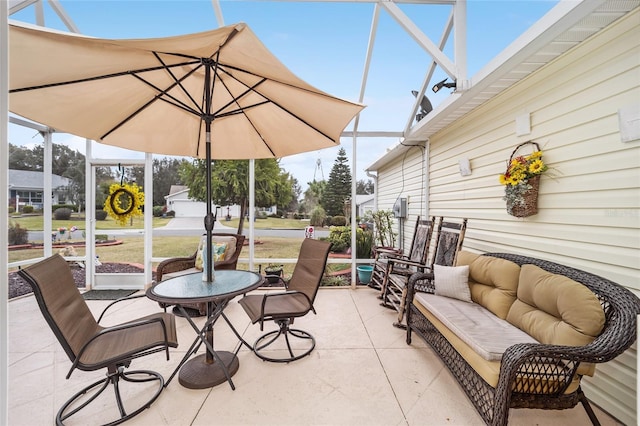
562 28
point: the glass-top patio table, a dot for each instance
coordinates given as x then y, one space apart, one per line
213 367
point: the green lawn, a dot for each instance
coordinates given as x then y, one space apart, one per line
132 249
35 222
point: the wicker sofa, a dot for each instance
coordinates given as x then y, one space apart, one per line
536 329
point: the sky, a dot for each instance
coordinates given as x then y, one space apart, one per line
324 43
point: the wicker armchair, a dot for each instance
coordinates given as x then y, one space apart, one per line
188 264
547 363
179 264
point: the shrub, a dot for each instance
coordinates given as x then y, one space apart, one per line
339 221
66 206
63 213
27 209
157 211
340 238
102 237
17 235
364 243
318 216
12 210
101 215
171 213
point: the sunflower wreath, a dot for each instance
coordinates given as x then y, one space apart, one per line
124 202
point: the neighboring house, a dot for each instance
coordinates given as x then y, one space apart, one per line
364 204
571 84
178 200
26 189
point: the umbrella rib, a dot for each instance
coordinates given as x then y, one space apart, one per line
163 95
179 82
254 89
99 77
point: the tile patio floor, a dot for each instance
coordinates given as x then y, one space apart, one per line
361 373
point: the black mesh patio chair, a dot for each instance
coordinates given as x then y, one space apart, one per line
92 347
284 306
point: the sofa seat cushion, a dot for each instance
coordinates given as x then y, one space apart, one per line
488 370
493 282
484 332
556 310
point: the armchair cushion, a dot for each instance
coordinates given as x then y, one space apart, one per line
452 281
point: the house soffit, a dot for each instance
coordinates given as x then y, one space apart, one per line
564 27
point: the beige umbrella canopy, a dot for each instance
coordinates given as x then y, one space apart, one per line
150 95
173 95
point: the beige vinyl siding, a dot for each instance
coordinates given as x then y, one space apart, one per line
589 205
404 178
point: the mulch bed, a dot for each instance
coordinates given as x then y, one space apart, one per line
19 287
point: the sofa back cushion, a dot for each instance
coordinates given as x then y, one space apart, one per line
555 310
493 282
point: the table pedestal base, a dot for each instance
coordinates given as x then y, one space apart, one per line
197 374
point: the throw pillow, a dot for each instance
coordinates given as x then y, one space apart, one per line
219 252
452 281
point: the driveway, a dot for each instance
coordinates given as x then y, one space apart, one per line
195 226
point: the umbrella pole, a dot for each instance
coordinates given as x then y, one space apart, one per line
209 218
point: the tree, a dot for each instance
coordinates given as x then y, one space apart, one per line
21 158
313 195
166 172
230 183
338 187
296 190
364 187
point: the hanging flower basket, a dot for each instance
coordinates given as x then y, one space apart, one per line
522 181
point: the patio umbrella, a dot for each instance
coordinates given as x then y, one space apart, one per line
219 94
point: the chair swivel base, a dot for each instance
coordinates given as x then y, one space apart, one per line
262 345
93 391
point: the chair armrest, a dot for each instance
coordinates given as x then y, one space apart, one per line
132 324
422 282
387 252
406 262
538 368
122 299
174 264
